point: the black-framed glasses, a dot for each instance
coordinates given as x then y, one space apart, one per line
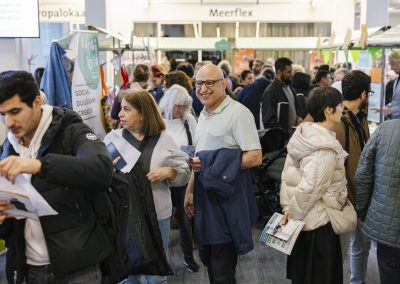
208 83
370 93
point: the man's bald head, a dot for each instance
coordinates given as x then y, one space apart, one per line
211 71
210 86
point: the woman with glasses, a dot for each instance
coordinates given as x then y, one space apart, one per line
314 184
181 125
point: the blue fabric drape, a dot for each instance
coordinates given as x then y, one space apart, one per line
55 82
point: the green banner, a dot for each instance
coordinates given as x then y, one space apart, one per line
355 54
375 52
325 53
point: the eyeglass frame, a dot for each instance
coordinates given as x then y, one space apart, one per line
182 106
369 93
208 83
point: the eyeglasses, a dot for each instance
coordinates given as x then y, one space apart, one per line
208 83
370 93
181 106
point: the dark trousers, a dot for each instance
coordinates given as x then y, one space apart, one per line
388 263
185 226
43 275
221 261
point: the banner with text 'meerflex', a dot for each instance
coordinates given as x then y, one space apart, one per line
86 84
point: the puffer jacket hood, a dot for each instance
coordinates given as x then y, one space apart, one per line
310 137
313 177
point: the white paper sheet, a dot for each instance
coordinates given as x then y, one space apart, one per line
26 201
119 147
282 237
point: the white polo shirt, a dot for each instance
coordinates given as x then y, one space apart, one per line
230 125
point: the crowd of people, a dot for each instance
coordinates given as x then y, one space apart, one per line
340 181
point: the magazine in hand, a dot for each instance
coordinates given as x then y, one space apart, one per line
25 200
117 146
281 237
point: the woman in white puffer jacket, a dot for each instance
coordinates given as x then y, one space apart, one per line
313 179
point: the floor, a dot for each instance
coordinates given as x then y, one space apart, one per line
262 265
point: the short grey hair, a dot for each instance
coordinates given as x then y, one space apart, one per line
176 95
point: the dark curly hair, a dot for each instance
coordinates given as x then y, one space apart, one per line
354 84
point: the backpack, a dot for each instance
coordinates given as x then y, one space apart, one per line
127 214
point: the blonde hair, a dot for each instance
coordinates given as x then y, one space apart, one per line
144 103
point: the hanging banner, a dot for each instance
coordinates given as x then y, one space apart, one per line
86 82
375 52
355 53
327 55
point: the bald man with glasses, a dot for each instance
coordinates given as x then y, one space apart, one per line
223 123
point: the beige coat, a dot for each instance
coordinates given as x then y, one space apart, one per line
314 176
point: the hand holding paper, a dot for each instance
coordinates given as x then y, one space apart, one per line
22 200
12 166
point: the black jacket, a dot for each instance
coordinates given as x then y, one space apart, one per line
76 167
251 97
273 95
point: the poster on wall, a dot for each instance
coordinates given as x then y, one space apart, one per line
316 59
241 59
86 84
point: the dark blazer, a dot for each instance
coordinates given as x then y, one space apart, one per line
251 97
273 95
224 201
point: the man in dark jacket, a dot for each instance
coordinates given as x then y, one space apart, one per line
69 167
280 91
251 96
352 134
377 185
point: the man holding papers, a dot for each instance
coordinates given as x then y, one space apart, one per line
69 167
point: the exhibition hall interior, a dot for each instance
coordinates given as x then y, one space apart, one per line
200 141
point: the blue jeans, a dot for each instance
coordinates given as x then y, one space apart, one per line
359 251
164 225
43 275
388 263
